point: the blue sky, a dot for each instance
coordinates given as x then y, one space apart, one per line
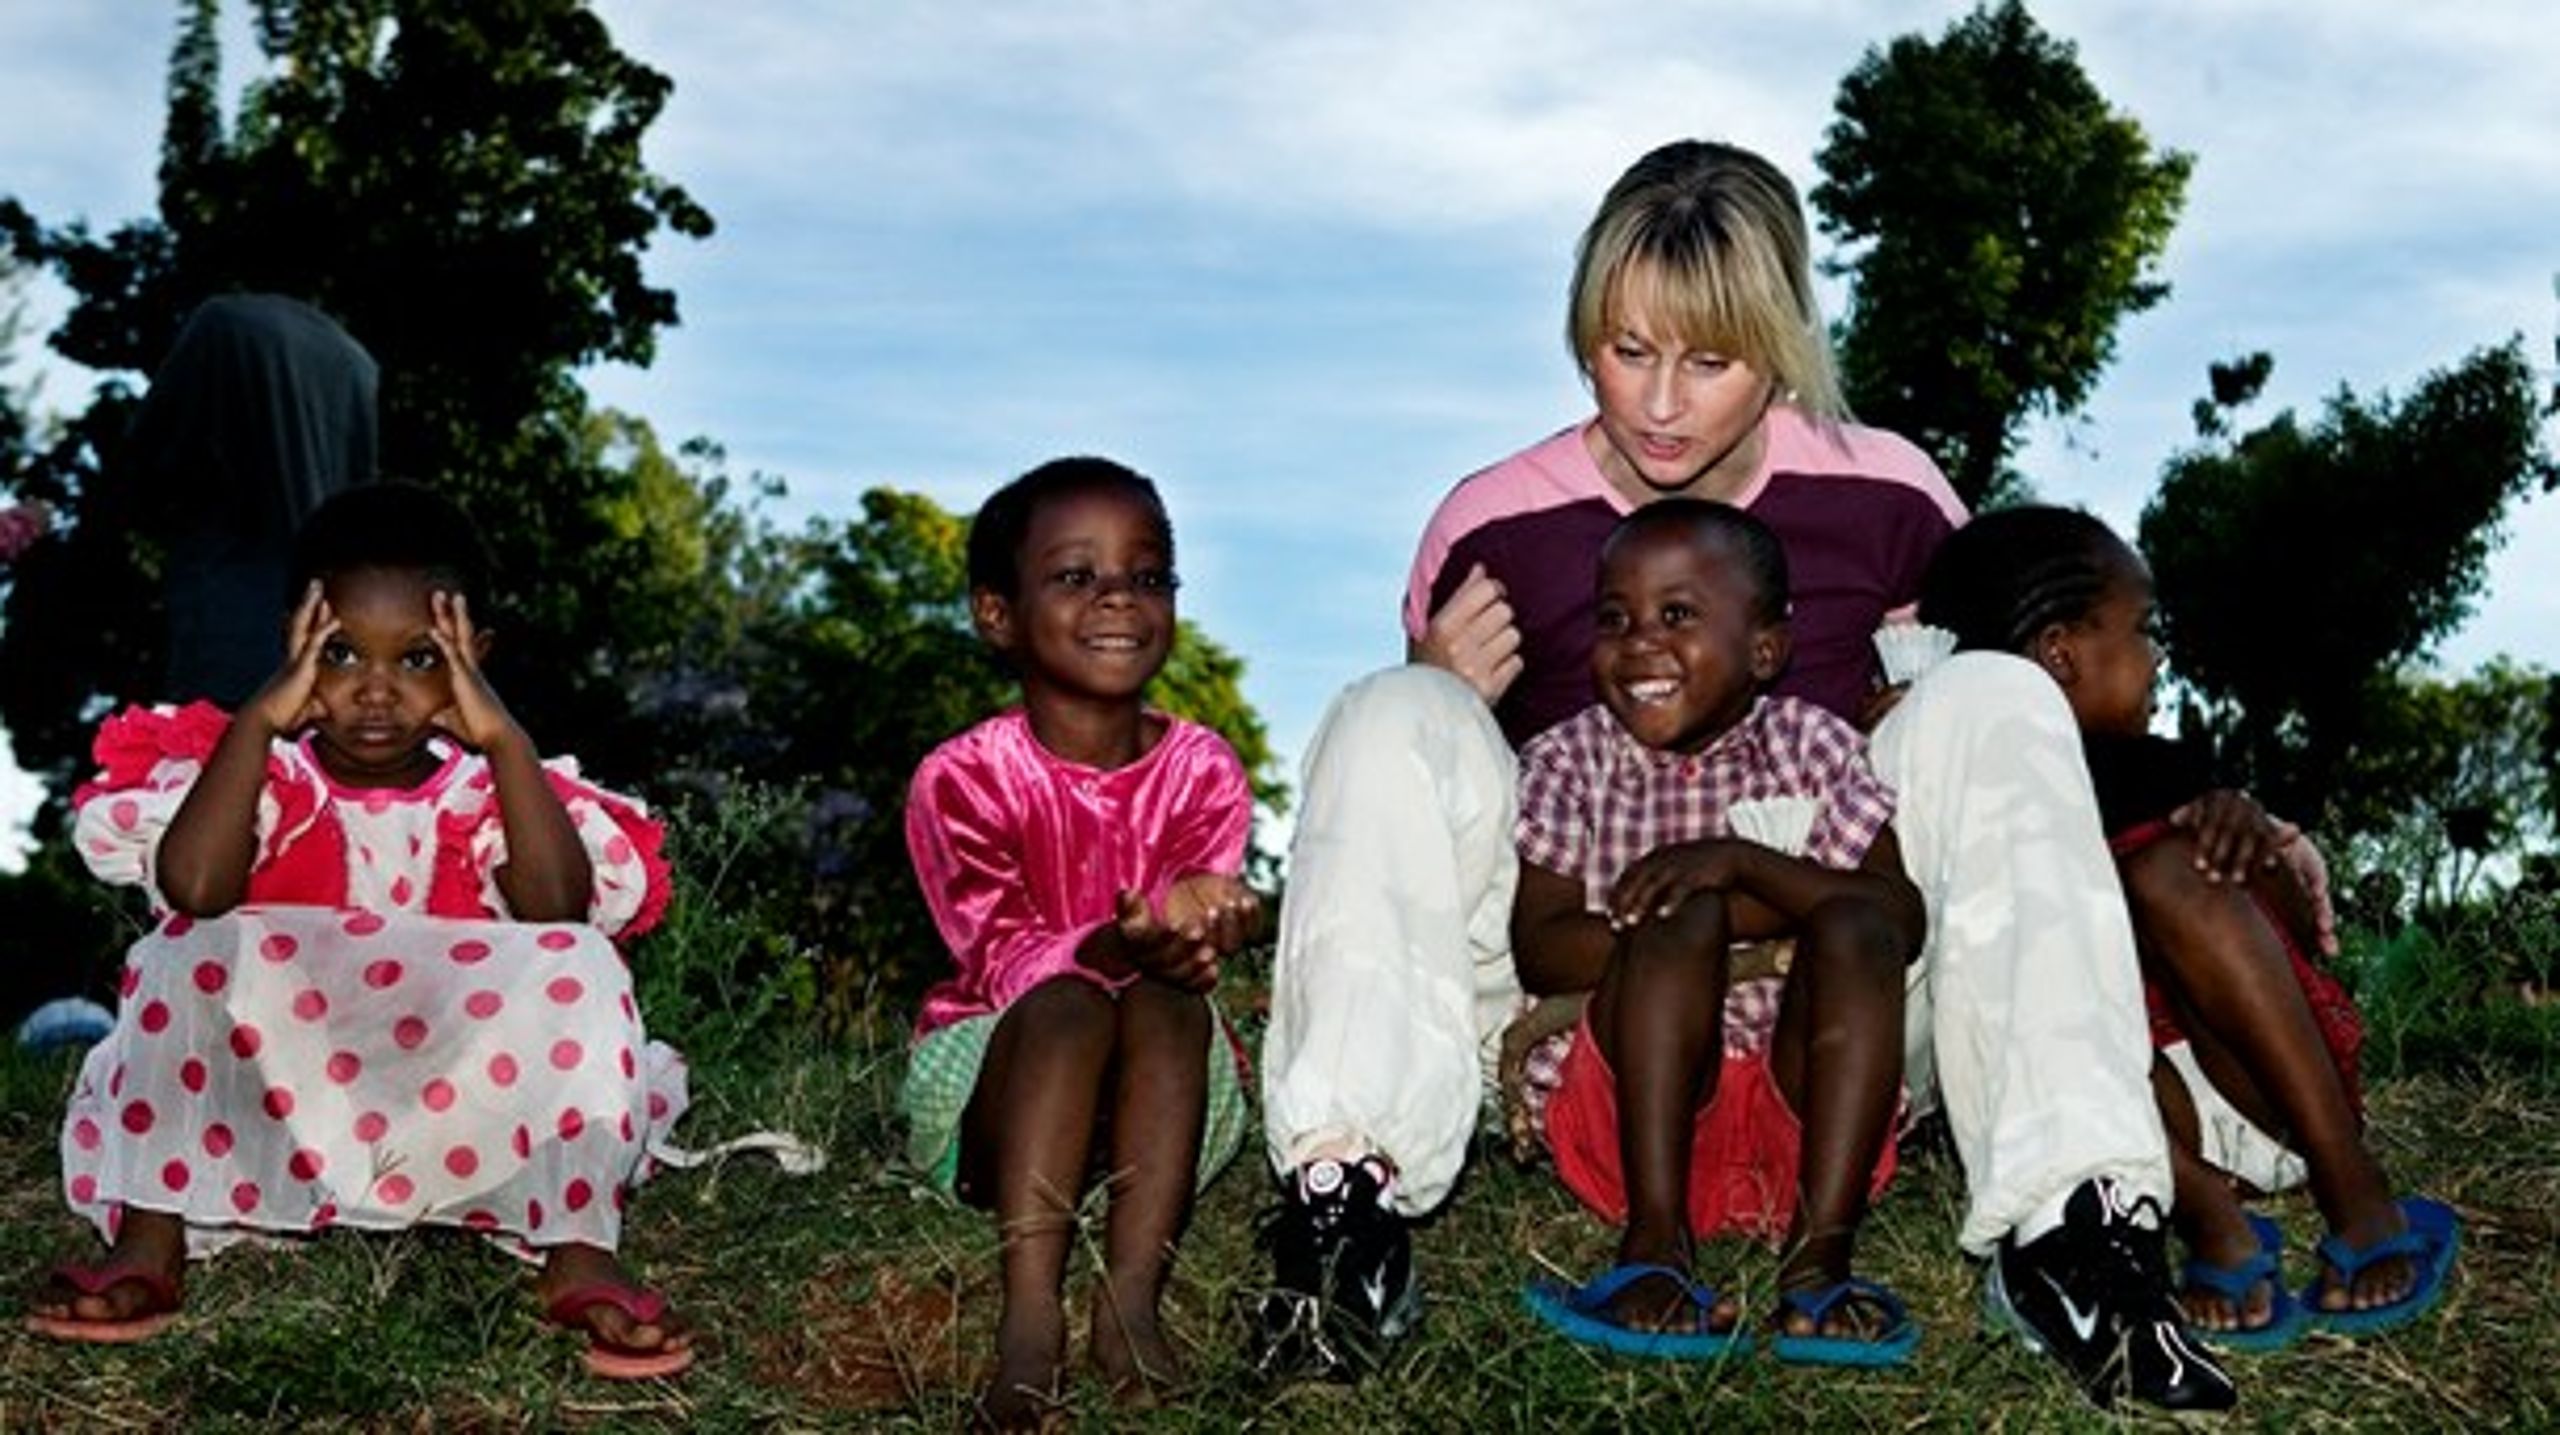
1308 275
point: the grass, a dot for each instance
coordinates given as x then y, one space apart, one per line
846 1300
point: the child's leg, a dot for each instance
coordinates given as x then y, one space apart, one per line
2208 1213
1159 1099
2212 948
1658 1016
1837 1059
1024 1140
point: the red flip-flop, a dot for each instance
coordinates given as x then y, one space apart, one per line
97 1281
604 1358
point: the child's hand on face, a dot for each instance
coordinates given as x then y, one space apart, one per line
476 716
1658 883
1185 959
290 700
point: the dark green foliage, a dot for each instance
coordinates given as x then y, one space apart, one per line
2299 566
2002 219
462 187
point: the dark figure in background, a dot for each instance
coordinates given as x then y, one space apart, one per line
263 407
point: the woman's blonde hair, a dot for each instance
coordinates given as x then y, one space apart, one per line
1710 240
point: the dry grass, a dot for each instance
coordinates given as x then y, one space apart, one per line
844 1301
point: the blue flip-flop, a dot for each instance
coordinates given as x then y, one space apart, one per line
1891 1346
1581 1313
2433 1239
2287 1317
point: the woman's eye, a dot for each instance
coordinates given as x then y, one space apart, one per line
1707 363
1629 353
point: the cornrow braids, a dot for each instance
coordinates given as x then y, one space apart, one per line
2010 574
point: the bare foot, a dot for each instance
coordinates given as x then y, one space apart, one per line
1130 1351
139 1278
636 1323
2382 1283
1031 1361
1661 1303
2226 1241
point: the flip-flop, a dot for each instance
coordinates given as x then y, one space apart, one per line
616 1362
1581 1313
2287 1317
94 1281
2433 1239
1891 1346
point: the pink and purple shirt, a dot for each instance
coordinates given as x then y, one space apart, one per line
1023 854
1858 510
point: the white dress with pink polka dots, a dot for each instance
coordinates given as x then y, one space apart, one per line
352 1058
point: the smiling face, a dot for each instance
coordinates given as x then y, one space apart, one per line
1684 641
1675 417
1093 614
2107 662
381 681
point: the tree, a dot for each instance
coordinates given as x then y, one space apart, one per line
2452 773
2300 567
2010 220
462 186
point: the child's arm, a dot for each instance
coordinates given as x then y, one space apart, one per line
212 841
1180 953
547 876
1791 887
1557 944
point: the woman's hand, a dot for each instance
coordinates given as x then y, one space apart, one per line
1474 636
290 700
476 716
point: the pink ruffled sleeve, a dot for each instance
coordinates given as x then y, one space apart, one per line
624 844
148 760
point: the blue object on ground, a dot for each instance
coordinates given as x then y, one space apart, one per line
2286 1319
2433 1239
65 1021
1891 1346
1581 1313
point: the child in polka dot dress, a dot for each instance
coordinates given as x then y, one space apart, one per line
381 989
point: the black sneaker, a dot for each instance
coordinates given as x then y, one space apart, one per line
2094 1291
1342 1274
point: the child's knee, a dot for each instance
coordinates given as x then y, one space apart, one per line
1858 940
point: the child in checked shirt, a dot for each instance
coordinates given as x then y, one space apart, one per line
1635 882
